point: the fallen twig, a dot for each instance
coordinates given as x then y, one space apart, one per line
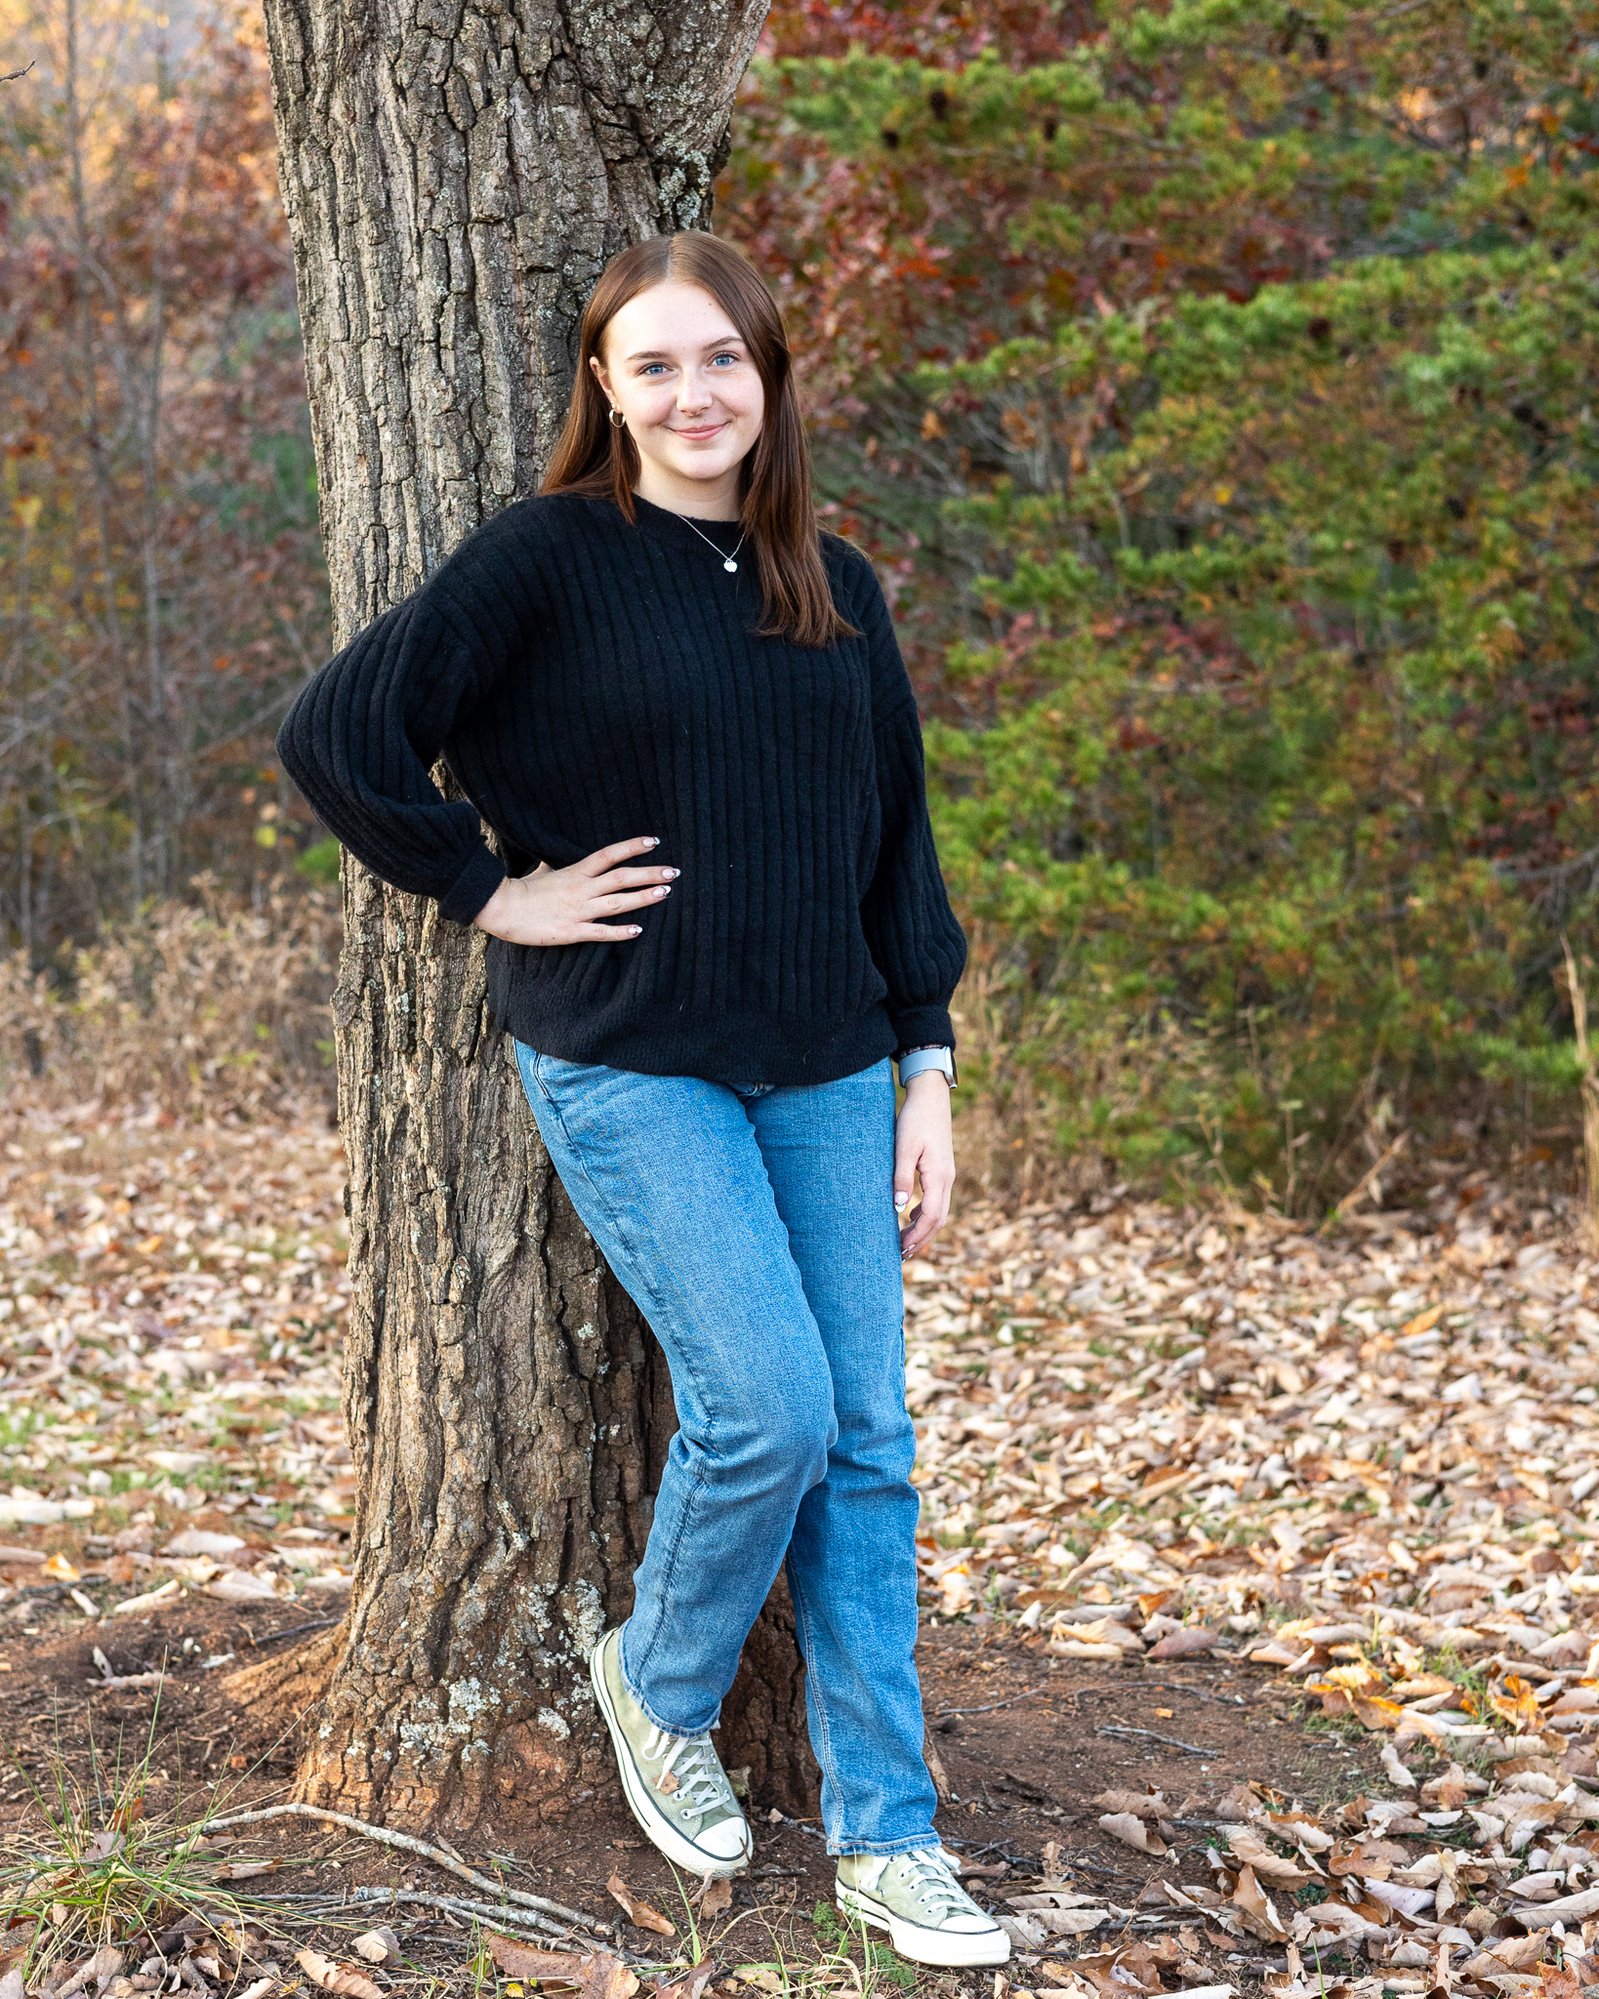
988 1707
502 1916
1365 1183
1203 1693
290 1631
1154 1735
408 1843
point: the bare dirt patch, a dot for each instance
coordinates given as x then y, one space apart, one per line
1026 1740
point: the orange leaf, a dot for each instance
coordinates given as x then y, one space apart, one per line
596 1974
336 1977
716 1898
645 1914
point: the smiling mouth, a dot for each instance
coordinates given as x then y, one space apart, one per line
705 430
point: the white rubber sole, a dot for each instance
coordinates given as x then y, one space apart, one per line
657 1828
948 1948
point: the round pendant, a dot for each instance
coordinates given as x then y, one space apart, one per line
729 563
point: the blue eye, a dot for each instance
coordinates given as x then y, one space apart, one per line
650 366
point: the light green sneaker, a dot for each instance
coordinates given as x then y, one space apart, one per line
929 1916
675 1784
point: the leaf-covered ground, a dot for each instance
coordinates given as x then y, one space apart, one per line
1367 1462
1336 1491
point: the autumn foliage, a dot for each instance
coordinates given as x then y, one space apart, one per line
1218 382
161 580
1212 385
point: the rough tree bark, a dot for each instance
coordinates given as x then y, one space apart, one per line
455 175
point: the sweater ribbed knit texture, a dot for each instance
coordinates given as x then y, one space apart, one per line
588 680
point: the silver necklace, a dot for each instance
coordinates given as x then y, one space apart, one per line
727 560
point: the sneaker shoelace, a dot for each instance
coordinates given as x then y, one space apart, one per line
930 1881
701 1780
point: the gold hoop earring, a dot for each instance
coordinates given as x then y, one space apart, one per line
618 421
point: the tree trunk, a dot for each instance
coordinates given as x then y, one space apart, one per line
454 182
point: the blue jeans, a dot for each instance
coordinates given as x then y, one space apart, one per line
754 1226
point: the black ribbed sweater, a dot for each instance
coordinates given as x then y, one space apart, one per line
587 681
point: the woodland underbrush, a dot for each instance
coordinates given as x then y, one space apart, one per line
217 1009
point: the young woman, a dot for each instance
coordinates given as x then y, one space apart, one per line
716 918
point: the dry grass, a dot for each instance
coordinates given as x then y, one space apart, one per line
200 1011
209 1010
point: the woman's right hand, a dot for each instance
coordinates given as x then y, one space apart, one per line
564 905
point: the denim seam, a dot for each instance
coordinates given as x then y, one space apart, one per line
797 1592
907 1843
529 1070
669 1569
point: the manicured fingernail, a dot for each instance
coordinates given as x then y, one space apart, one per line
653 839
900 1200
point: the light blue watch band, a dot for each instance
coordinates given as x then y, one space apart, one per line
917 1059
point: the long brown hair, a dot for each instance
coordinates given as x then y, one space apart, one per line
776 511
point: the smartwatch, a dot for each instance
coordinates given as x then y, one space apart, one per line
929 1056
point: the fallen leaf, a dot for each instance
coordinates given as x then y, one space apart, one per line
643 1913
98 1970
1421 1686
1374 1859
1504 1954
1144 1804
1255 1908
716 1896
332 1977
1068 1922
241 1586
154 1599
525 1960
687 1984
1131 1831
1564 1909
198 1541
595 1974
1192 1642
608 1978
1248 1847
1392 1895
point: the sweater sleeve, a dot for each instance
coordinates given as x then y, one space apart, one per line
360 742
915 939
